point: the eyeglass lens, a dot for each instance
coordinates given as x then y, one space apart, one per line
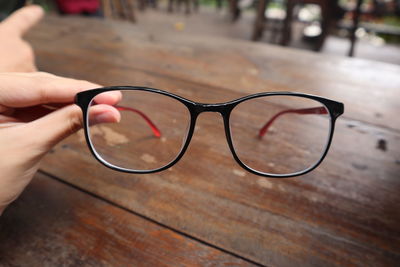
280 134
149 135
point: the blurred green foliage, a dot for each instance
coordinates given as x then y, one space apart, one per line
48 5
393 21
7 6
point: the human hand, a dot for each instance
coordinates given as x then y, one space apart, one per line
28 129
15 53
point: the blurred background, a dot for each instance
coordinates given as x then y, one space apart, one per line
367 29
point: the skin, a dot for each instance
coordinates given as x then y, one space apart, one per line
28 127
16 54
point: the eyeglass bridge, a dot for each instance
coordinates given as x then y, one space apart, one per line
203 107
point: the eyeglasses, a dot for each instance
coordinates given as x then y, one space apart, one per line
279 134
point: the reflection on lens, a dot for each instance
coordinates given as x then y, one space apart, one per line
149 135
280 134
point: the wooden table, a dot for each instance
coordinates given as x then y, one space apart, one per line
206 210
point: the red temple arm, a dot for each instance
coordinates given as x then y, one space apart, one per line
318 110
153 127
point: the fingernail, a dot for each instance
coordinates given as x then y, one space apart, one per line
105 117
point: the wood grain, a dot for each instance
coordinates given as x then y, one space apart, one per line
56 225
344 213
349 208
369 89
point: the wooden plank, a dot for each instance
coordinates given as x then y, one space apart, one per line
369 89
340 214
331 182
347 208
53 224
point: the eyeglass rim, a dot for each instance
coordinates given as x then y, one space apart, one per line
84 98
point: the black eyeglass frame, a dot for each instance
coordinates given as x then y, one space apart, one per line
83 100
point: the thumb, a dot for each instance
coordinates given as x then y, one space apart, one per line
23 19
54 127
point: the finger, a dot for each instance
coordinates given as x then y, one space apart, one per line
23 19
25 90
36 112
109 98
103 114
52 128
